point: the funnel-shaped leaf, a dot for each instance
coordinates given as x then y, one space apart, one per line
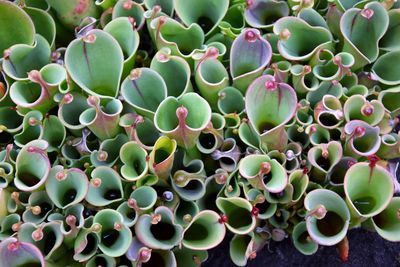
262 14
358 108
144 89
230 100
13 18
390 146
134 158
161 233
105 187
183 119
95 63
384 71
204 232
362 29
109 151
298 40
264 173
185 211
161 159
16 253
103 116
114 237
390 99
361 138
32 166
250 54
328 217
240 218
174 70
323 157
145 198
128 9
302 241
387 222
66 187
337 173
206 13
85 245
22 58
368 189
299 180
38 208
70 108
281 101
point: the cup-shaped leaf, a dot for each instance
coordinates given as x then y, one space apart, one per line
328 217
387 222
127 37
8 224
128 9
13 17
161 159
299 180
390 100
262 14
39 207
264 173
66 187
183 119
206 13
103 116
230 100
188 186
129 214
303 79
144 89
102 260
70 108
302 240
95 63
383 68
47 237
368 189
6 174
167 6
250 54
362 29
105 187
335 68
32 166
240 218
241 248
16 253
109 151
204 232
24 58
337 173
159 231
185 211
324 156
85 245
145 197
114 237
390 146
211 77
299 40
174 70
358 108
134 159
362 139
281 101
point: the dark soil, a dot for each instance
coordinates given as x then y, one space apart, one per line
366 249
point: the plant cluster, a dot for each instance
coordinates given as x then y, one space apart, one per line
138 133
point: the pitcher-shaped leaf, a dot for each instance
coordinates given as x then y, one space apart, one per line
85 245
206 13
128 38
264 173
262 14
114 237
239 213
204 232
66 187
16 253
328 217
32 166
299 40
390 146
183 119
70 108
161 159
167 6
323 157
109 151
383 68
31 128
387 222
159 231
38 208
20 59
361 138
358 108
368 188
250 54
134 159
95 63
144 89
102 117
337 173
12 18
362 29
189 257
102 259
281 102
174 70
46 237
299 180
390 99
132 9
105 187
144 197
302 240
